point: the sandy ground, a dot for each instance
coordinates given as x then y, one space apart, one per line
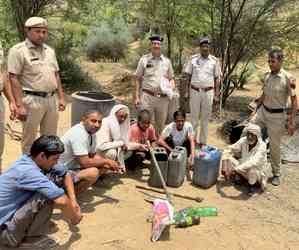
115 212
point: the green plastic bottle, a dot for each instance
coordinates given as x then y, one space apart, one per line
195 211
204 211
188 221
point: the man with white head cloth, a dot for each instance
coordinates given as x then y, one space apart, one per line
112 139
248 158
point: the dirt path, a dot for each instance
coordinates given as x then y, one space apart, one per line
115 211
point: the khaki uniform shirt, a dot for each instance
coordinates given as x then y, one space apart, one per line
35 66
203 71
152 69
277 89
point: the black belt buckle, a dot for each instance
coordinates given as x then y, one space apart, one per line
42 94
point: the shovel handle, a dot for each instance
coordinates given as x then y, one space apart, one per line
156 165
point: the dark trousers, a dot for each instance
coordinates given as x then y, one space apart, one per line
186 144
136 159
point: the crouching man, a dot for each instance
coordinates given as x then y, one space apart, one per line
28 191
179 133
139 133
80 152
247 158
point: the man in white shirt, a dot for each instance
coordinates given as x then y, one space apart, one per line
202 74
179 133
80 152
151 69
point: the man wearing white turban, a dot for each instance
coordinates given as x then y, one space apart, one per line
112 139
248 158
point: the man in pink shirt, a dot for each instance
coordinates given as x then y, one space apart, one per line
139 133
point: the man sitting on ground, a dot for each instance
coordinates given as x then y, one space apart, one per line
247 158
28 191
80 152
139 133
179 133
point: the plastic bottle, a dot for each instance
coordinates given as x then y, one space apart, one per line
196 211
204 211
188 221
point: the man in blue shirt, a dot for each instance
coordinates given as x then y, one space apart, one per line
30 188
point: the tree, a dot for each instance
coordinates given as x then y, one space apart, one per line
22 10
177 20
242 29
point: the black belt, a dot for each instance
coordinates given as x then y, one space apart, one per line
273 110
39 93
205 89
153 93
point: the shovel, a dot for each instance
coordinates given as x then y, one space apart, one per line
156 165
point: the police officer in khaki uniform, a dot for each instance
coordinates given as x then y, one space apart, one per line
278 86
202 74
34 75
151 69
6 89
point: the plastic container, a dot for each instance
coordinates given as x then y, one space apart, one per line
162 159
206 167
195 211
177 163
188 221
86 100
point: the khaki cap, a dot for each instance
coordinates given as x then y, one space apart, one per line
36 22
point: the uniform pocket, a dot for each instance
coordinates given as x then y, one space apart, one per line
36 67
149 71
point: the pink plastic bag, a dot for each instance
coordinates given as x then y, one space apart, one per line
162 217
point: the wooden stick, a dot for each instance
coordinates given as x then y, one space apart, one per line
186 197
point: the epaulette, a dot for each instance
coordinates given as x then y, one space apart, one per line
48 47
286 73
165 57
266 76
267 73
19 45
213 57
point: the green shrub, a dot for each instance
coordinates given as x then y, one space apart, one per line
73 77
108 41
66 42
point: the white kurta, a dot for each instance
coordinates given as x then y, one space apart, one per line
250 164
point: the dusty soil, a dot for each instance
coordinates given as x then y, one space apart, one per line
115 212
